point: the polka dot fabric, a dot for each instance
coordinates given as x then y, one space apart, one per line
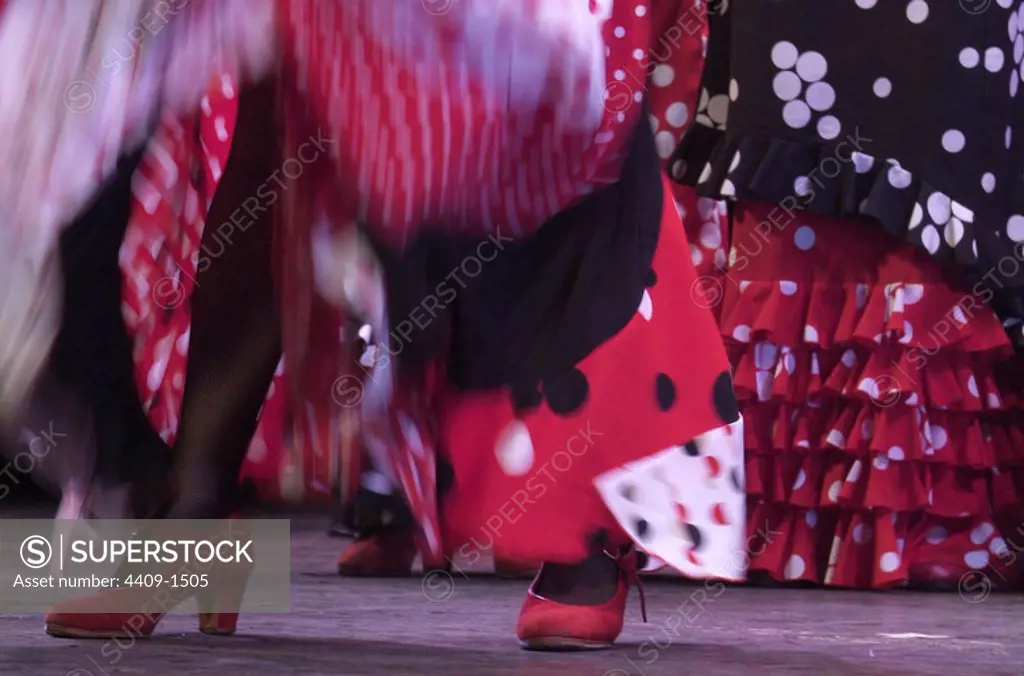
668 468
882 415
160 258
673 67
802 113
426 142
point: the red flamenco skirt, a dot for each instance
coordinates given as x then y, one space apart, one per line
883 444
639 441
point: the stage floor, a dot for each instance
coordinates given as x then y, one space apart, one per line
465 626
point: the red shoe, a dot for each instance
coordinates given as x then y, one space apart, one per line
550 625
387 554
78 618
84 618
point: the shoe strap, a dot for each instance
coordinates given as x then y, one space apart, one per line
625 559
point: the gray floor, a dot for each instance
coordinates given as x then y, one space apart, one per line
465 626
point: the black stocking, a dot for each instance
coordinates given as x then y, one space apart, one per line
235 340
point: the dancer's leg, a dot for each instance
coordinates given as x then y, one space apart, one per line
235 341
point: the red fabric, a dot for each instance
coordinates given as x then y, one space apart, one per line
161 255
534 500
876 406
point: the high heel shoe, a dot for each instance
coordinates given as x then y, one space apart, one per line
545 624
218 605
383 554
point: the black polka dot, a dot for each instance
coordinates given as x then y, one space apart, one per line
651 278
724 399
526 398
736 479
690 448
665 391
642 528
695 536
567 392
628 492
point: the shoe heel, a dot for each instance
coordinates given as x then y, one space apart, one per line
218 610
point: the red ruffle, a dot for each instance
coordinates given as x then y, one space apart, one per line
878 417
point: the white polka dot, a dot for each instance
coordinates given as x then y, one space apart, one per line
220 128
829 127
804 238
796 114
619 75
862 163
953 141
741 333
835 438
696 255
787 85
994 59
833 491
646 308
641 10
718 109
889 562
811 66
969 57
619 31
711 235
915 216
227 86
1015 228
514 449
954 232
1008 138
795 567
899 177
801 479
988 182
787 287
972 386
936 436
734 90
936 535
663 75
880 462
882 87
998 547
257 450
861 534
638 54
913 293
811 517
939 207
665 141
855 471
677 114
982 532
820 96
896 453
917 11
930 238
810 334
784 55
977 559
866 4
